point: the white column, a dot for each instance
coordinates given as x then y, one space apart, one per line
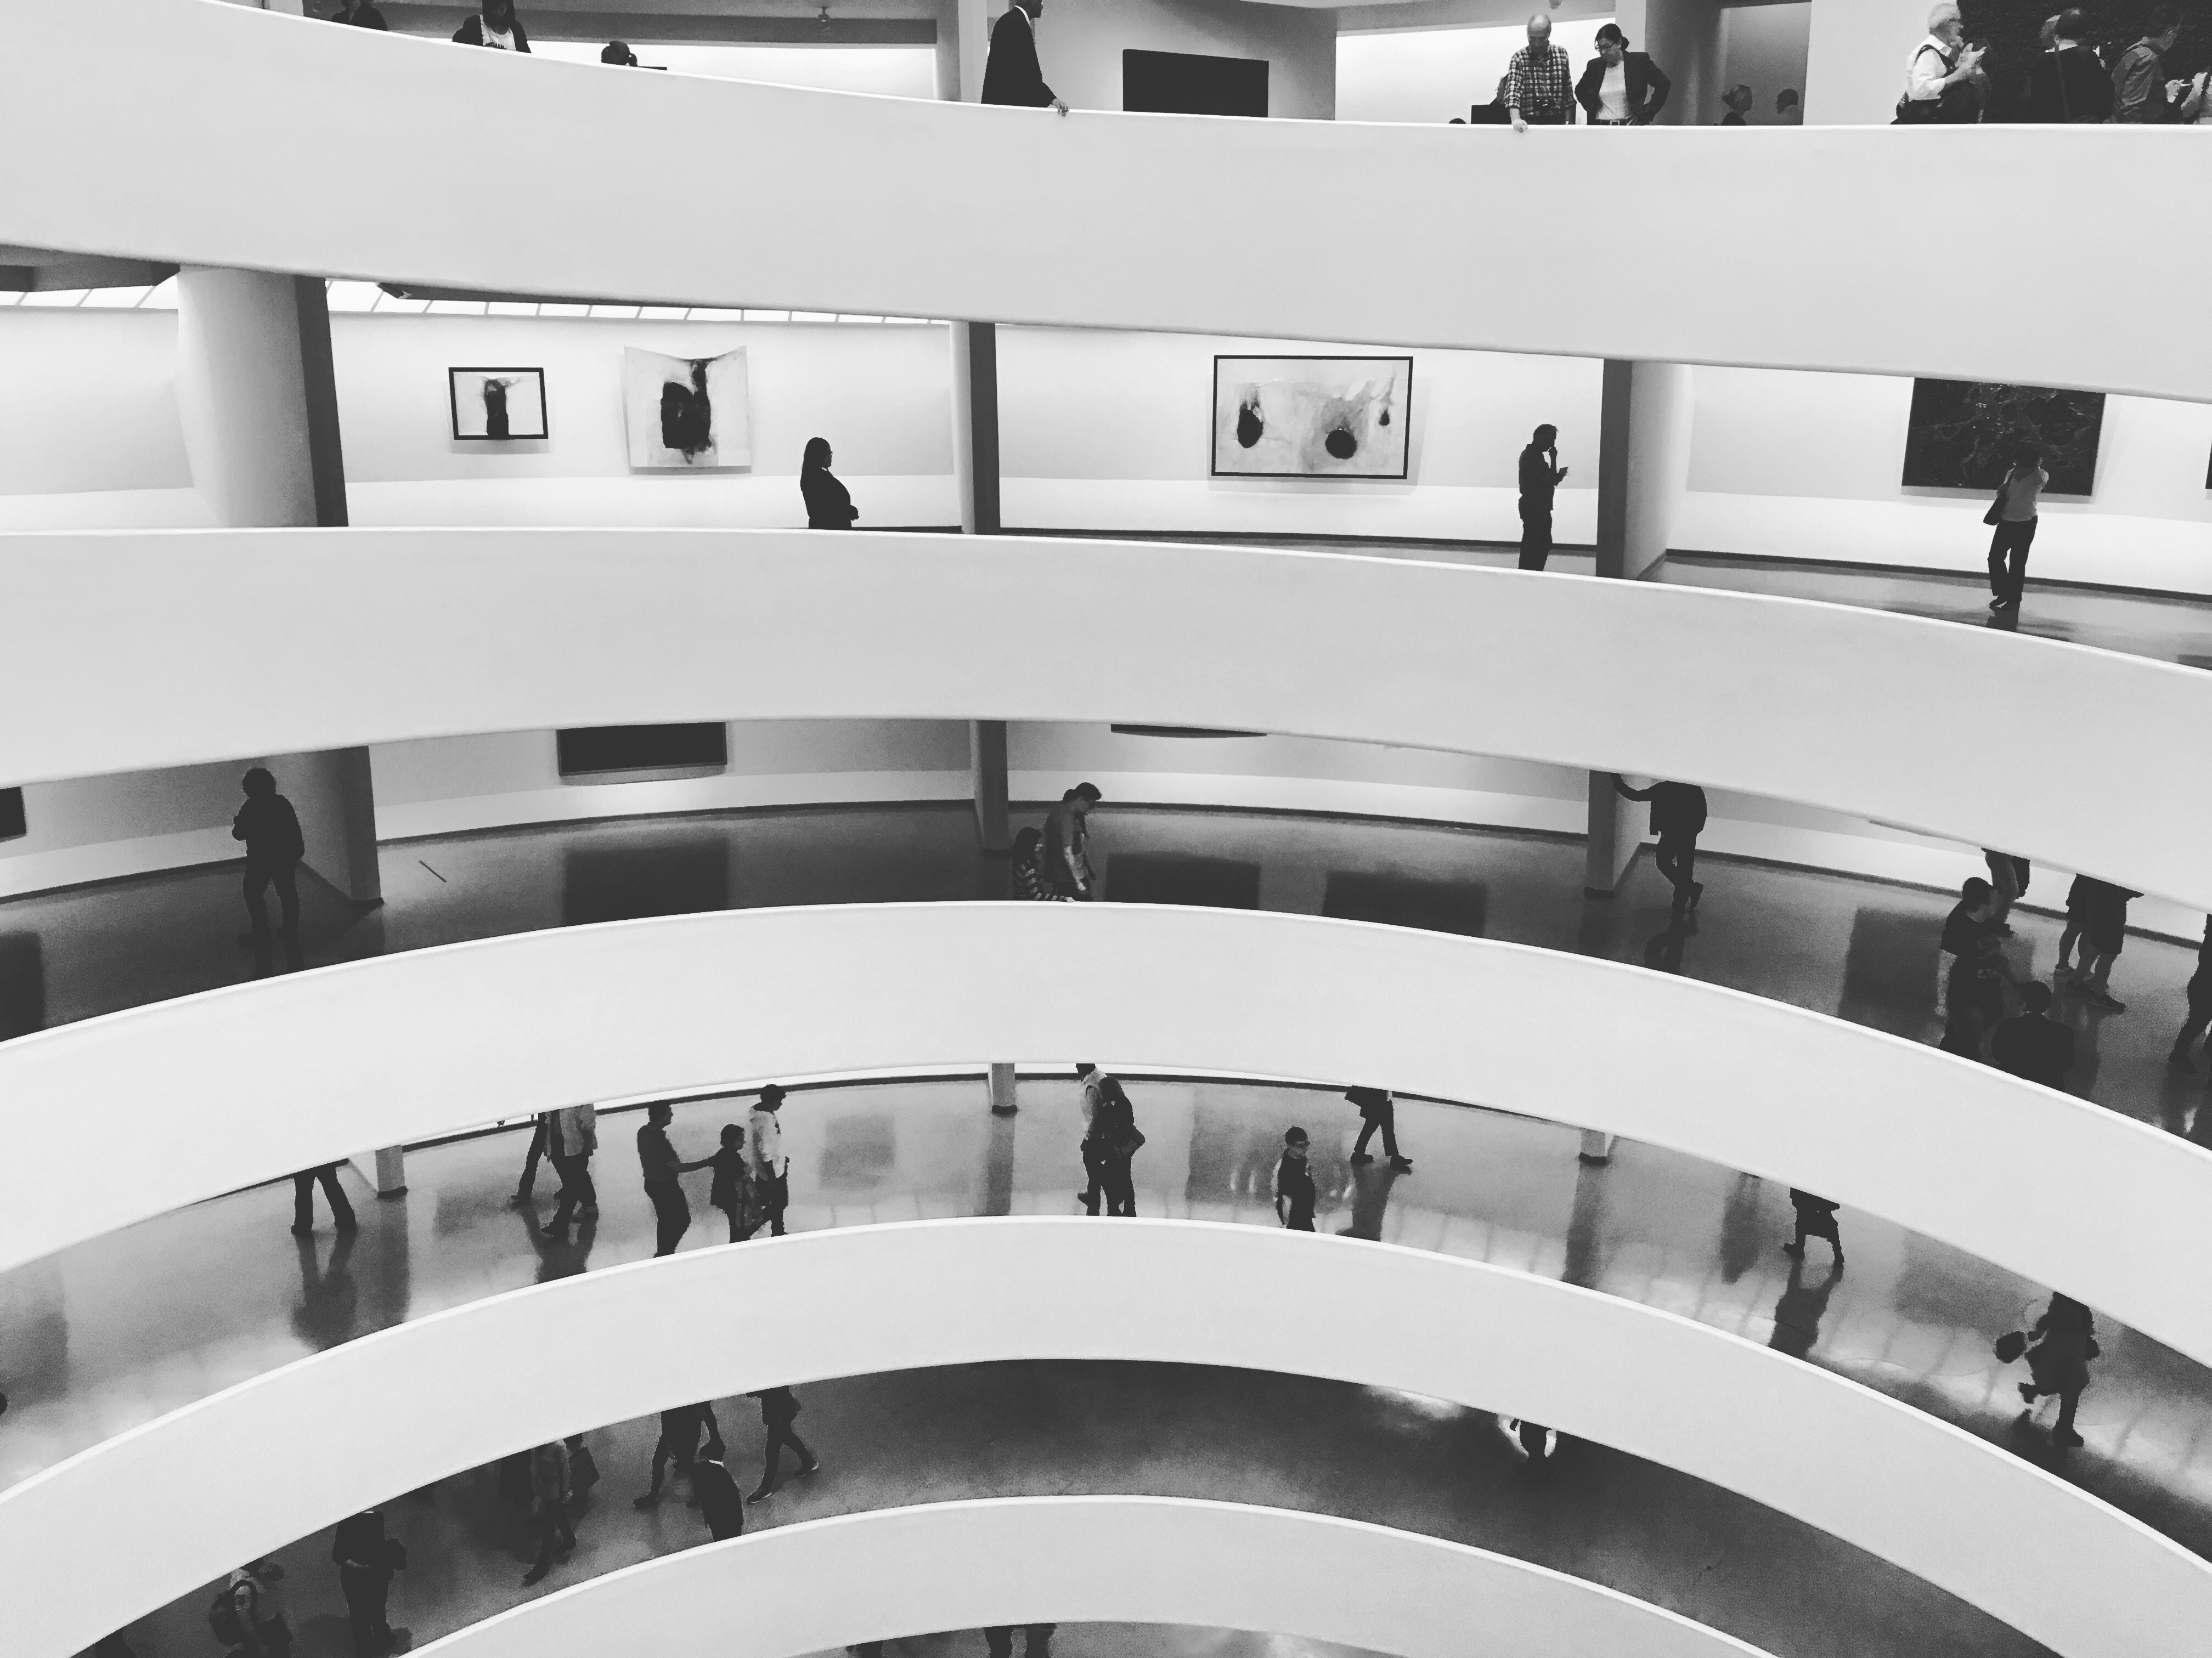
1000 1087
242 397
1684 39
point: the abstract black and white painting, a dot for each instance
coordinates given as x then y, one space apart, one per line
1311 416
686 412
497 404
1961 434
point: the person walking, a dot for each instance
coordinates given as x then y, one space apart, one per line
2139 94
1032 882
570 1142
2012 517
1378 1114
1678 818
549 1508
2032 1044
1939 62
657 1159
365 1558
1067 843
1541 477
732 1191
1816 1219
828 504
1093 1082
2066 83
303 1201
1012 73
678 1444
1294 1184
1540 82
2096 915
771 1170
1620 88
541 1129
1115 1139
2200 1006
720 1504
274 846
2062 1344
779 1409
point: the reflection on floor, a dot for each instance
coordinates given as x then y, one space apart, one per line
1861 948
1239 1436
116 1331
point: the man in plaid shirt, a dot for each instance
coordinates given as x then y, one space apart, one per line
1540 84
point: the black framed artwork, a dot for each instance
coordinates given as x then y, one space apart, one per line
597 750
1312 416
1960 435
496 406
12 822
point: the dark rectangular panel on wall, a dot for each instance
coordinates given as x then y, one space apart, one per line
1192 84
11 815
1961 434
600 749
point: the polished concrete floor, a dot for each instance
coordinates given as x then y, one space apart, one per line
119 1330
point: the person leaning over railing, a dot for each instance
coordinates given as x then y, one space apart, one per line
1620 88
1540 82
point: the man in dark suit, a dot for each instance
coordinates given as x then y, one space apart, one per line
1013 75
1620 88
1540 475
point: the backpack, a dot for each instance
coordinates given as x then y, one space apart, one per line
222 1614
1911 113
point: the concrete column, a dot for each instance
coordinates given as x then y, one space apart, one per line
1000 1090
975 426
986 766
257 397
964 43
1643 475
1684 38
385 1169
1598 1145
335 794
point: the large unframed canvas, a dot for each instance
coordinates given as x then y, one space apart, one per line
686 413
1312 416
1961 434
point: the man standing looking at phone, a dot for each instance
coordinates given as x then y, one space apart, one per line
1540 475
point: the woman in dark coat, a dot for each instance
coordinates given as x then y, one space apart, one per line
2063 1341
828 505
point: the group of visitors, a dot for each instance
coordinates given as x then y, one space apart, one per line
1976 983
1052 865
2069 81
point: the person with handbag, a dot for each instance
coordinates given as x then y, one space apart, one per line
1114 1140
2012 516
1942 61
365 1558
1816 1219
771 1168
2058 1349
1093 1082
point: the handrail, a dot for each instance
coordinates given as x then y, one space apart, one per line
1123 220
260 1079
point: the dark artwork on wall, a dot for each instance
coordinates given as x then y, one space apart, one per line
1961 432
11 815
497 404
686 411
1191 83
596 750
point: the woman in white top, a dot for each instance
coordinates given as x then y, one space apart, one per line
2013 513
1619 88
765 1135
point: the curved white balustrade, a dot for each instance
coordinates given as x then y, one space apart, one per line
1180 223
221 1090
1089 1559
280 1457
1827 705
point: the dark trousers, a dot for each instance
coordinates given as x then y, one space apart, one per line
259 875
2199 1021
780 1433
672 1217
366 1591
2008 560
303 1198
1094 1171
1677 858
528 1183
1816 1226
1536 538
1118 1186
1384 1117
1300 1220
555 1535
576 1186
774 1192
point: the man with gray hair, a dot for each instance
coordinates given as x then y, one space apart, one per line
1941 60
1540 83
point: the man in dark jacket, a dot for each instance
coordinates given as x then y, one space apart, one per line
1638 96
2032 1044
2066 83
1013 74
360 14
274 846
496 24
779 1411
720 1505
1540 475
1677 817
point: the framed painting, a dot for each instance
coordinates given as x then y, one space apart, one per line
496 404
686 413
1961 434
1312 416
